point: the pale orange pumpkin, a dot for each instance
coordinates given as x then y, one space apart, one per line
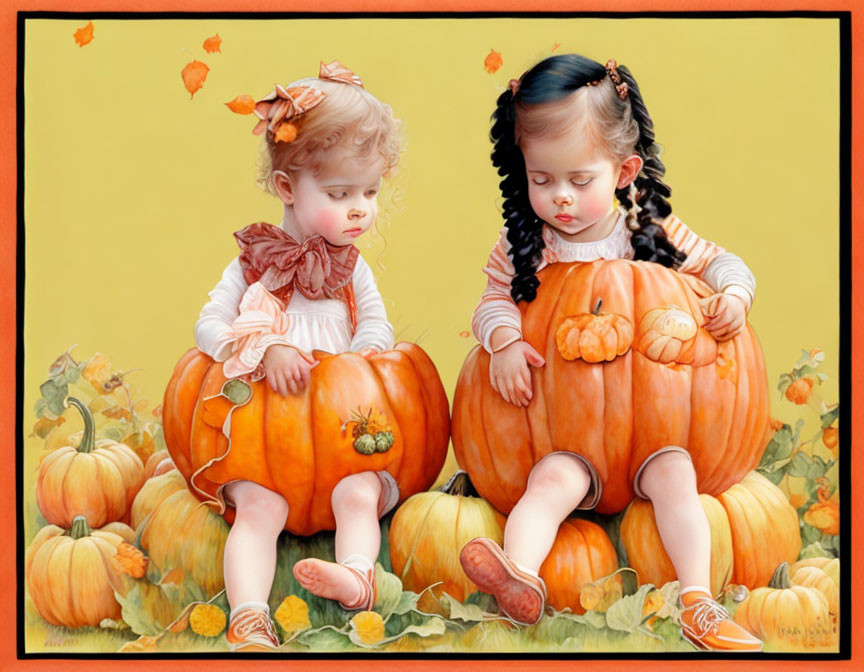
645 552
299 445
582 553
594 337
70 576
814 577
617 413
98 479
429 530
788 617
153 461
156 490
765 529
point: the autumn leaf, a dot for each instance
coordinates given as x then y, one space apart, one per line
244 104
84 35
493 62
157 412
555 46
43 426
213 44
286 132
194 75
464 334
143 644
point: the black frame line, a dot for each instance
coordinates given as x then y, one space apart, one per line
845 306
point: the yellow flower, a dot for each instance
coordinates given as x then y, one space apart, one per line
207 620
369 626
293 614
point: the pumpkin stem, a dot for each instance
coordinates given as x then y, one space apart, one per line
780 578
88 440
596 310
460 484
80 528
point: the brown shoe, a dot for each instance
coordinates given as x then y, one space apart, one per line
519 595
252 630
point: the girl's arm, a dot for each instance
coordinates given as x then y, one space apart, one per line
496 307
373 329
213 331
723 271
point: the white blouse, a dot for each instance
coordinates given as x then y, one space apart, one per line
320 324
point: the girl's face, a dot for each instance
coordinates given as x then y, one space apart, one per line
572 182
339 200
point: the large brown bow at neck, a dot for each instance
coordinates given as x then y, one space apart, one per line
315 267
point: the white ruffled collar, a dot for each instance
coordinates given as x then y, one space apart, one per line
614 246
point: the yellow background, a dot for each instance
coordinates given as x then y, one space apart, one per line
132 190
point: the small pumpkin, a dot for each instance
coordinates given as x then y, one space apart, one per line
813 577
70 576
788 617
582 553
645 552
594 337
155 491
299 445
667 334
153 461
429 530
831 566
98 479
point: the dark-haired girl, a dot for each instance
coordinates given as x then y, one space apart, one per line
570 137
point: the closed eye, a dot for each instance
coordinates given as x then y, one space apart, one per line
540 180
581 184
337 195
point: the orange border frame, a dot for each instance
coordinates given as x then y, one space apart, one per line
8 334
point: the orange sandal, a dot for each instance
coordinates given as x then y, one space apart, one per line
520 596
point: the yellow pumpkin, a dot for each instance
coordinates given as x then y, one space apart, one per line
70 576
814 577
788 617
429 530
155 491
667 334
153 461
645 552
98 479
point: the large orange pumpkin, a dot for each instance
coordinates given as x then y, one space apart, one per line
674 385
299 445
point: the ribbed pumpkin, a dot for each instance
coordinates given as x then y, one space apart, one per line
645 552
825 577
69 574
788 617
581 554
765 529
710 398
182 534
155 491
154 461
429 530
98 479
298 445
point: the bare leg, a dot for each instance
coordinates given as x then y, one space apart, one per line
556 486
670 482
250 550
358 540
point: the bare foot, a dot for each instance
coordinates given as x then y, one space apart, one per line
328 580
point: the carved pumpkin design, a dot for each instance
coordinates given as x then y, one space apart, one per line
616 413
300 445
594 337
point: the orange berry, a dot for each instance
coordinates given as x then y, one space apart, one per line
799 391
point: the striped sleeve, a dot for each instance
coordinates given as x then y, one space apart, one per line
373 329
721 270
496 307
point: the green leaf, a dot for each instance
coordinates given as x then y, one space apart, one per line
40 407
483 600
774 476
809 534
595 619
785 381
626 613
54 394
804 370
407 602
670 592
159 439
780 446
830 417
73 373
466 612
816 469
814 550
145 608
389 591
237 392
113 433
327 638
800 465
435 625
668 630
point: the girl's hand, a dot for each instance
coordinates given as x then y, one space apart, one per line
725 315
287 368
510 375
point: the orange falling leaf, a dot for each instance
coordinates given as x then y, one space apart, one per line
555 46
242 105
464 334
84 35
493 62
213 44
194 75
157 412
286 132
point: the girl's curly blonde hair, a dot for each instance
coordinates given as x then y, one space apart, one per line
349 116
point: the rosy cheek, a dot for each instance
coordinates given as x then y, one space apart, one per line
328 220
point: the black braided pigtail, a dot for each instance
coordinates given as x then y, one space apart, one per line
649 240
524 229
